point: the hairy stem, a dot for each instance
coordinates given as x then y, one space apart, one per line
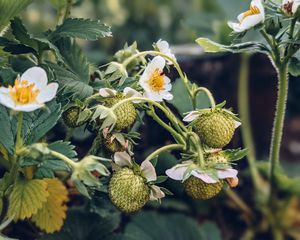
68 9
176 136
278 123
208 94
19 141
62 157
164 149
244 112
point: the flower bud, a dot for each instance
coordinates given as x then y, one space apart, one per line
273 26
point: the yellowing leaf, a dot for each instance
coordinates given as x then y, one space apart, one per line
26 198
50 217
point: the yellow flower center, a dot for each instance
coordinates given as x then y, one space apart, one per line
156 81
22 92
252 11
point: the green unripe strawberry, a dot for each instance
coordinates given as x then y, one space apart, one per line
216 158
70 117
127 191
198 189
126 113
215 128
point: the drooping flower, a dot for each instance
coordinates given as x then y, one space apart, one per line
290 7
181 171
128 92
164 47
29 92
125 113
155 83
250 18
202 183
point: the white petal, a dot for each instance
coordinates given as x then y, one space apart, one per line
153 96
107 92
162 45
168 87
204 177
191 116
130 92
36 75
235 26
6 100
47 93
28 107
177 172
237 124
122 159
295 6
168 96
251 21
4 90
227 173
148 171
156 193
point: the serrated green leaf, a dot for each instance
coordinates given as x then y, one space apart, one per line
74 58
81 28
7 76
14 47
294 67
10 9
26 198
167 227
36 43
71 84
235 154
6 134
65 148
213 47
36 124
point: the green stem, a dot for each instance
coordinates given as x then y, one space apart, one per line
164 149
208 94
68 9
176 65
244 112
62 157
19 141
176 136
278 123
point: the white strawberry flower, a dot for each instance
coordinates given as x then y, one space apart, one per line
250 18
30 91
157 86
193 115
290 6
123 159
164 47
128 92
179 172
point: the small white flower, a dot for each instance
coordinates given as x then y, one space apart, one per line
164 47
123 159
29 92
154 82
128 93
290 6
179 171
250 18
